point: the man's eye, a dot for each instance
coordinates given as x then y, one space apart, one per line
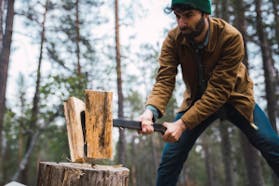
188 15
177 16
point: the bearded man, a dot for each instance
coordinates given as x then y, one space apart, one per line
210 52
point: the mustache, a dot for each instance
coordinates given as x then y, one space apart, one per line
184 28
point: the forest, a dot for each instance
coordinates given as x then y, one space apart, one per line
53 49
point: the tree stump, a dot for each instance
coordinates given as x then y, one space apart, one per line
77 174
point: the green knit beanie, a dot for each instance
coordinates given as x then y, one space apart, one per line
203 5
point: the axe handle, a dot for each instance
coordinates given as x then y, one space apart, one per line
130 124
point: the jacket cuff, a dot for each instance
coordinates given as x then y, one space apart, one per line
154 110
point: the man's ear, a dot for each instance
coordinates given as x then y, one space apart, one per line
206 15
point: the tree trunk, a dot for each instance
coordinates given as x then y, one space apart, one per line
241 24
252 159
4 63
133 165
253 166
1 23
226 149
121 142
276 21
268 64
77 37
32 138
224 10
21 124
269 72
74 174
155 156
209 165
25 160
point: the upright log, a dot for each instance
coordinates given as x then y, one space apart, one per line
76 174
98 121
73 109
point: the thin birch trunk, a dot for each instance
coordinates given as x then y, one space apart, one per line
77 27
133 166
121 141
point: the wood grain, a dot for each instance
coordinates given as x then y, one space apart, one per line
77 174
98 120
73 109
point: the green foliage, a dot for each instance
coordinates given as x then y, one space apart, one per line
54 146
64 86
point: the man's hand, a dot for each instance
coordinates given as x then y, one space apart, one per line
174 130
146 122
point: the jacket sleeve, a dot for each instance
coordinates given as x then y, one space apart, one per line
166 75
220 84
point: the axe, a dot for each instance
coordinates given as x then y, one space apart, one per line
124 123
130 124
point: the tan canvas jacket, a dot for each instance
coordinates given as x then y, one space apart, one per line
226 75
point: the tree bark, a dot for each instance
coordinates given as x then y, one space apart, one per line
121 142
98 122
226 149
209 165
268 64
276 21
252 159
155 156
253 166
74 111
4 64
74 174
269 72
33 136
224 10
1 23
133 166
77 36
24 161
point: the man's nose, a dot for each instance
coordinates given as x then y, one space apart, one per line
182 22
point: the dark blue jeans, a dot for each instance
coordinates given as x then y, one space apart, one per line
264 139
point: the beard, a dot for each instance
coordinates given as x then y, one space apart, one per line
196 31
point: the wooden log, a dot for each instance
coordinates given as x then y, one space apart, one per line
98 121
76 174
73 109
